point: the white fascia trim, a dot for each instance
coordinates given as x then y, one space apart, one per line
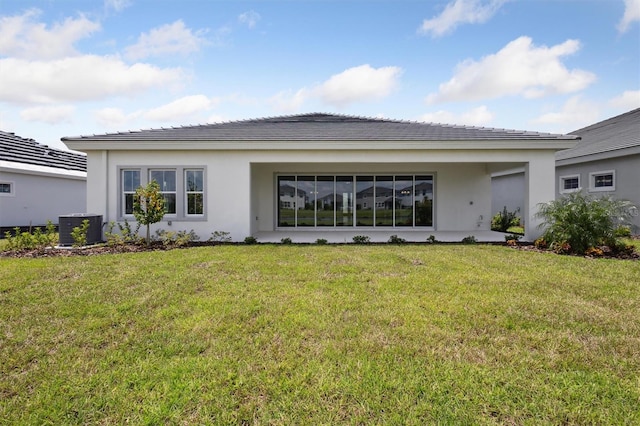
32 169
368 145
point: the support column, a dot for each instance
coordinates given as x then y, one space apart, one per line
539 178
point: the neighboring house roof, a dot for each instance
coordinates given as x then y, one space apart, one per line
15 149
319 127
617 136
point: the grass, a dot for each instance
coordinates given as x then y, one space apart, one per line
286 334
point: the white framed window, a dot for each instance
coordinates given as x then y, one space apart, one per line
570 183
602 181
194 192
130 182
167 181
6 189
183 189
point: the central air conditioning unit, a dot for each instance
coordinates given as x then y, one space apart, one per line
66 223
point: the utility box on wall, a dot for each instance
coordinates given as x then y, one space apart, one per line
66 223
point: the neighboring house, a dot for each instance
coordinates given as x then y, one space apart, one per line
606 160
38 183
238 177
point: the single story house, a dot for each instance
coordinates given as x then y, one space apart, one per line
38 183
308 176
606 160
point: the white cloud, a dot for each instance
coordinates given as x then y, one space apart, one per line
21 36
480 116
576 113
117 5
288 101
250 18
180 108
49 114
631 15
362 83
166 40
520 68
358 84
629 100
112 118
78 79
460 12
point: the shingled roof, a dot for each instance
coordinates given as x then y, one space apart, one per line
320 127
613 136
16 149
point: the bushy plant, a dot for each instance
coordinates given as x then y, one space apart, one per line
28 241
432 239
79 234
321 241
361 239
504 220
469 240
394 239
126 234
148 206
286 240
176 238
220 237
250 240
578 221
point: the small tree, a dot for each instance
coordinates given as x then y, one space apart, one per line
148 206
583 221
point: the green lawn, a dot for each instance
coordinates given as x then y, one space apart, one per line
287 334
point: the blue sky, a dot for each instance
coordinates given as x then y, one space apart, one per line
71 68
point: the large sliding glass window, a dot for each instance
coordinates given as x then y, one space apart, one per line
306 211
325 205
344 201
403 200
360 201
365 200
423 198
384 200
287 200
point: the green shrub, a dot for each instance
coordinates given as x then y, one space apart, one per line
79 234
504 220
321 241
431 239
361 239
250 240
578 221
469 240
394 239
29 241
220 237
285 240
126 234
175 238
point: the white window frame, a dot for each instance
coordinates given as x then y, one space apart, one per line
181 213
562 189
164 191
12 189
123 193
187 192
592 181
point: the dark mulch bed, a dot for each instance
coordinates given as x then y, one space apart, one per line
158 246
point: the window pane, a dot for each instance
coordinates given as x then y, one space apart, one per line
286 200
170 203
325 201
306 209
423 198
571 183
194 181
128 204
384 200
165 178
365 202
344 201
603 181
5 188
403 201
131 180
195 204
